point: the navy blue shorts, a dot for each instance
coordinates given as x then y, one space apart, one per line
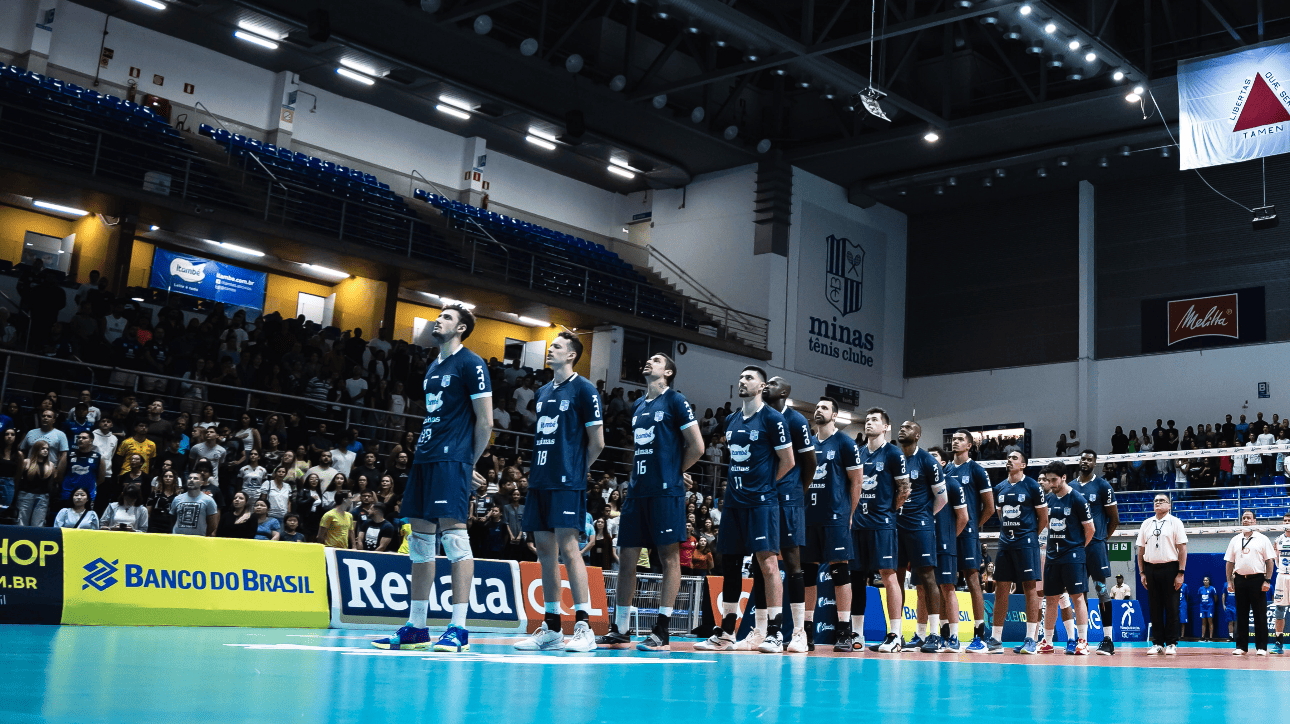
875 550
1065 576
1016 565
1096 561
947 570
969 552
438 490
745 531
826 544
651 522
917 547
547 510
792 526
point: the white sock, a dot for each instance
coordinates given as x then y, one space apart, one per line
760 616
934 623
622 615
996 633
920 629
1083 632
976 623
1070 629
418 617
846 616
1030 630
583 607
799 615
728 608
893 627
662 610
552 607
459 614
1048 633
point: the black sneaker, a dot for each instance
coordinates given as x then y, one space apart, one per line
810 635
847 644
890 645
614 639
1106 648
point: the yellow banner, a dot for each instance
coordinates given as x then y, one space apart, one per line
909 626
143 579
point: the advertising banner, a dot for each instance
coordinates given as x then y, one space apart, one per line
1235 316
840 303
370 590
1234 107
534 601
126 579
31 575
1129 624
208 279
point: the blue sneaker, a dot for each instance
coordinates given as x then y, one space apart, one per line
1029 646
1278 648
408 638
455 639
993 646
1070 647
950 645
913 644
977 646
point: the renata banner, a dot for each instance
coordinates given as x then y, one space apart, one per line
1234 107
1235 317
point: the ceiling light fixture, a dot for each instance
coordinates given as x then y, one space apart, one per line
931 137
254 39
1041 172
540 142
355 76
1103 162
452 111
1090 57
751 57
619 171
1117 75
1133 98
1050 28
1025 9
361 68
546 135
152 4
60 208
533 322
1139 89
623 164
1074 44
456 102
235 248
325 271
153 228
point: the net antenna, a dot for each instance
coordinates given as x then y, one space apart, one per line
869 97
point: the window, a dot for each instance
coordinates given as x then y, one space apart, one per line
638 347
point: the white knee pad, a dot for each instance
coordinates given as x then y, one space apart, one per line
421 547
456 545
1064 601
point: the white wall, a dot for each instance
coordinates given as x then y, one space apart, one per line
17 21
544 192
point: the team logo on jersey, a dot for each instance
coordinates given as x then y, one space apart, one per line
547 425
740 453
658 416
538 407
752 434
446 380
1011 511
1066 511
831 454
434 400
913 474
844 275
80 469
1092 498
879 466
1021 498
644 435
870 482
564 405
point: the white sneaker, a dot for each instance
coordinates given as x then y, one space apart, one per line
773 644
544 639
716 642
798 644
1171 650
891 645
1261 652
1154 650
750 642
583 640
1238 652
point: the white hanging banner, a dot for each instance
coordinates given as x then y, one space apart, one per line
1234 107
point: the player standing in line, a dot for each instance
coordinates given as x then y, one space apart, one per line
916 532
1022 514
761 453
979 495
1106 518
883 490
667 443
1281 596
457 426
568 438
1208 595
951 521
830 502
790 491
1070 529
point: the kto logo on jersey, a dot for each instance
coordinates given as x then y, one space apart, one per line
99 574
879 466
644 435
913 474
844 275
740 453
547 425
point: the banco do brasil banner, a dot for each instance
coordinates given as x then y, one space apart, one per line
208 279
841 287
1234 107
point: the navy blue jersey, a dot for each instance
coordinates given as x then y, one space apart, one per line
560 439
789 488
451 386
660 446
882 468
1017 502
1066 518
974 480
946 519
829 501
82 472
924 476
753 443
1099 494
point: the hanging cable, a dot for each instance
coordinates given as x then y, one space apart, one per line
1198 173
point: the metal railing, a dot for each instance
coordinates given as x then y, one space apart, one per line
745 325
687 612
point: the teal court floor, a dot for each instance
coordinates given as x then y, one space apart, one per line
215 675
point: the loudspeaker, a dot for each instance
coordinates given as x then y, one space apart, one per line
319 25
574 124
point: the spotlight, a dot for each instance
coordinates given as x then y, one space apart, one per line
1133 98
827 94
1164 152
965 4
529 47
1074 75
940 190
692 29
989 20
1265 217
618 83
661 15
659 102
719 43
1125 151
573 63
987 182
952 181
751 57
1025 9
1103 162
1012 33
730 133
1063 161
778 71
696 115
483 25
931 137
1139 89
1090 57
902 191
1035 49
804 84
763 145
1050 28
1117 75
1057 61
1041 172
1001 172
1074 44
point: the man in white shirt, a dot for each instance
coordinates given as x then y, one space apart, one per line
1120 591
1250 557
501 418
1267 461
356 388
105 442
524 394
1162 559
324 470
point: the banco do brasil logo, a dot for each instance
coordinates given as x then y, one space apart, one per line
99 574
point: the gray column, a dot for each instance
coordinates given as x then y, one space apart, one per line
1087 386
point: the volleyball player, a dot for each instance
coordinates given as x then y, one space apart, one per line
790 491
980 505
667 443
761 453
830 502
1070 529
1208 595
1106 518
916 532
569 437
883 490
455 432
1281 596
1022 514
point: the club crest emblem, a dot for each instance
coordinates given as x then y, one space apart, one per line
913 475
844 275
564 405
658 416
879 466
447 379
753 434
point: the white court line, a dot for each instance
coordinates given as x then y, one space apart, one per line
563 660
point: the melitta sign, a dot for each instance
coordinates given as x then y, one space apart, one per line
1234 107
1187 322
1217 316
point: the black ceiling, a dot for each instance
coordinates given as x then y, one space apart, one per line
946 64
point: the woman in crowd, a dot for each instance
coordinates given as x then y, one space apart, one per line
307 502
39 478
239 521
11 464
701 561
687 550
291 529
112 489
252 476
80 515
272 454
709 533
160 519
338 482
247 432
277 494
208 419
128 514
602 553
386 494
266 528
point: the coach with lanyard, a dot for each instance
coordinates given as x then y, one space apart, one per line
1250 557
1162 560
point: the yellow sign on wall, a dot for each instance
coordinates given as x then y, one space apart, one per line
909 624
127 579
